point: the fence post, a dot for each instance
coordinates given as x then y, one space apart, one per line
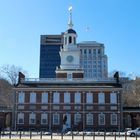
83 135
93 135
10 134
104 135
51 135
136 136
72 134
41 134
114 135
20 135
62 135
125 136
30 134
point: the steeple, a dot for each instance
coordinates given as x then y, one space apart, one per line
70 24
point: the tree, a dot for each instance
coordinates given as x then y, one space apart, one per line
121 73
10 72
6 96
131 93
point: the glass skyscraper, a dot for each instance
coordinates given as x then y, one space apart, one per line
49 55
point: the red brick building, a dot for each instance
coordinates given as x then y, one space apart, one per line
43 103
69 100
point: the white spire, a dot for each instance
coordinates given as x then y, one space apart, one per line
70 24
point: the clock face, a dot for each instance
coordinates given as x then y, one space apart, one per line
70 58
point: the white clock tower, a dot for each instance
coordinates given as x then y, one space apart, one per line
69 54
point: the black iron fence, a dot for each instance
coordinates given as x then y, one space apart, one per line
70 135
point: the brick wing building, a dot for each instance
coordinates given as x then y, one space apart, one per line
87 104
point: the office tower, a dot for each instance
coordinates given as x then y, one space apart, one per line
49 55
93 60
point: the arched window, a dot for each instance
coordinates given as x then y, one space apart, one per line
74 40
65 40
70 39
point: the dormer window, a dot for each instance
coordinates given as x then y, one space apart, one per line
70 40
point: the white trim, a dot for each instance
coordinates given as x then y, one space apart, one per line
44 97
56 119
77 118
32 118
89 119
101 119
32 97
44 116
21 97
20 116
101 98
114 120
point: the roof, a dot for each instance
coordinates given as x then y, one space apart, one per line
43 83
71 31
90 43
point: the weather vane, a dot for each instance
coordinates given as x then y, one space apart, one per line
70 24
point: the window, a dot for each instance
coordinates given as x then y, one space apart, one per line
55 119
77 97
69 76
66 97
44 97
89 119
89 98
101 119
70 39
99 51
85 51
32 118
77 118
74 40
101 98
20 118
113 119
65 40
32 97
94 52
113 98
89 51
44 118
56 97
21 97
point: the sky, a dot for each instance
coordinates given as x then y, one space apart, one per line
115 23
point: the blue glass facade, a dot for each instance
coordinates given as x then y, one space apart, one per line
49 60
49 55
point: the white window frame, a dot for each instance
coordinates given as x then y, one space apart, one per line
56 97
57 118
101 98
77 118
101 119
44 97
89 98
114 120
89 119
69 76
113 98
32 97
44 116
21 97
77 97
32 116
20 117
66 97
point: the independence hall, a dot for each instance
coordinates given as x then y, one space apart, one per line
70 100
